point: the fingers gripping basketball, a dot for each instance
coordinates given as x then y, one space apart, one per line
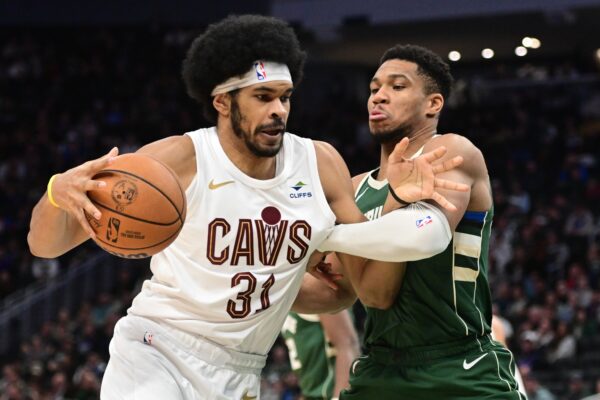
143 207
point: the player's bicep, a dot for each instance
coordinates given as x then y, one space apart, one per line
178 153
459 199
465 173
337 184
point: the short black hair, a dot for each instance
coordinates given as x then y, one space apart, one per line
431 66
231 46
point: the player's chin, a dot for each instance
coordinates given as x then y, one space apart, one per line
270 140
267 149
378 127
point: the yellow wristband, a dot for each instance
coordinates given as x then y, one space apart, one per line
49 191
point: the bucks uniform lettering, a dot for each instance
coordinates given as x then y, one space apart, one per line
434 341
311 355
443 298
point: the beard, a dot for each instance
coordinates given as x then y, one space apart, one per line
392 135
259 151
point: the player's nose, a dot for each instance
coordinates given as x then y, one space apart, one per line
379 97
278 109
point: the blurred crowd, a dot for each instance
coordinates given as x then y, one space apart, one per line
67 96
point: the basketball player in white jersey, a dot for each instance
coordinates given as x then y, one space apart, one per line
260 201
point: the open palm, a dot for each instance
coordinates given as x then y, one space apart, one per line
415 179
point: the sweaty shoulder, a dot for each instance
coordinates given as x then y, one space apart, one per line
336 183
178 153
459 145
331 166
473 170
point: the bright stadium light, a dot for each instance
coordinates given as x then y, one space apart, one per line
454 55
598 54
520 51
531 42
487 53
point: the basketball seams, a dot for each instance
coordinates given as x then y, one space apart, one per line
181 191
154 187
132 217
155 182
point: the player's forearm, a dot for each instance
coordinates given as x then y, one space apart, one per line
408 234
52 232
343 362
315 297
376 283
339 329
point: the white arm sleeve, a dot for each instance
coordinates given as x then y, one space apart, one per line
415 232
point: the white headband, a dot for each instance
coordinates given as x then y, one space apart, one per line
261 71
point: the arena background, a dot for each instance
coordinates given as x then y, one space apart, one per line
78 77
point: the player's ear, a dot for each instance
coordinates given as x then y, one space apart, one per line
435 102
222 103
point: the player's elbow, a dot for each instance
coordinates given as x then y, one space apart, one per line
380 304
37 247
379 299
343 299
429 248
34 247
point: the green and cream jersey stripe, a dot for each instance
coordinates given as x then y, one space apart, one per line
443 298
468 243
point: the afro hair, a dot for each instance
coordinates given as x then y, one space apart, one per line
230 47
431 66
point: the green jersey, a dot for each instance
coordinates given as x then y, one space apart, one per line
311 355
442 298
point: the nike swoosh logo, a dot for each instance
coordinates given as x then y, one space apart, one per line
212 185
470 365
354 365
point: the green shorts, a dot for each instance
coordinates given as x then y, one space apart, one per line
474 368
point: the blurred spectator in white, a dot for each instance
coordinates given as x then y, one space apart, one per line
501 248
545 332
519 198
564 346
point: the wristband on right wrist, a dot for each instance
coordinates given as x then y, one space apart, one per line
49 191
397 198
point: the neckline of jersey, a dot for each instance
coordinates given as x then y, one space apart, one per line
281 157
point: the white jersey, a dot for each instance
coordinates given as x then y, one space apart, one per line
235 269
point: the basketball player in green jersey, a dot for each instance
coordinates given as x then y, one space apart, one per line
427 331
321 349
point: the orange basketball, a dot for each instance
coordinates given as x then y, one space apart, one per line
143 207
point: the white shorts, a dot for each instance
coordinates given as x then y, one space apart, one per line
153 361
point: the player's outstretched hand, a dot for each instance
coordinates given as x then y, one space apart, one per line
415 180
69 189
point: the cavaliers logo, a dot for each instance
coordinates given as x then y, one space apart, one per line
124 193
